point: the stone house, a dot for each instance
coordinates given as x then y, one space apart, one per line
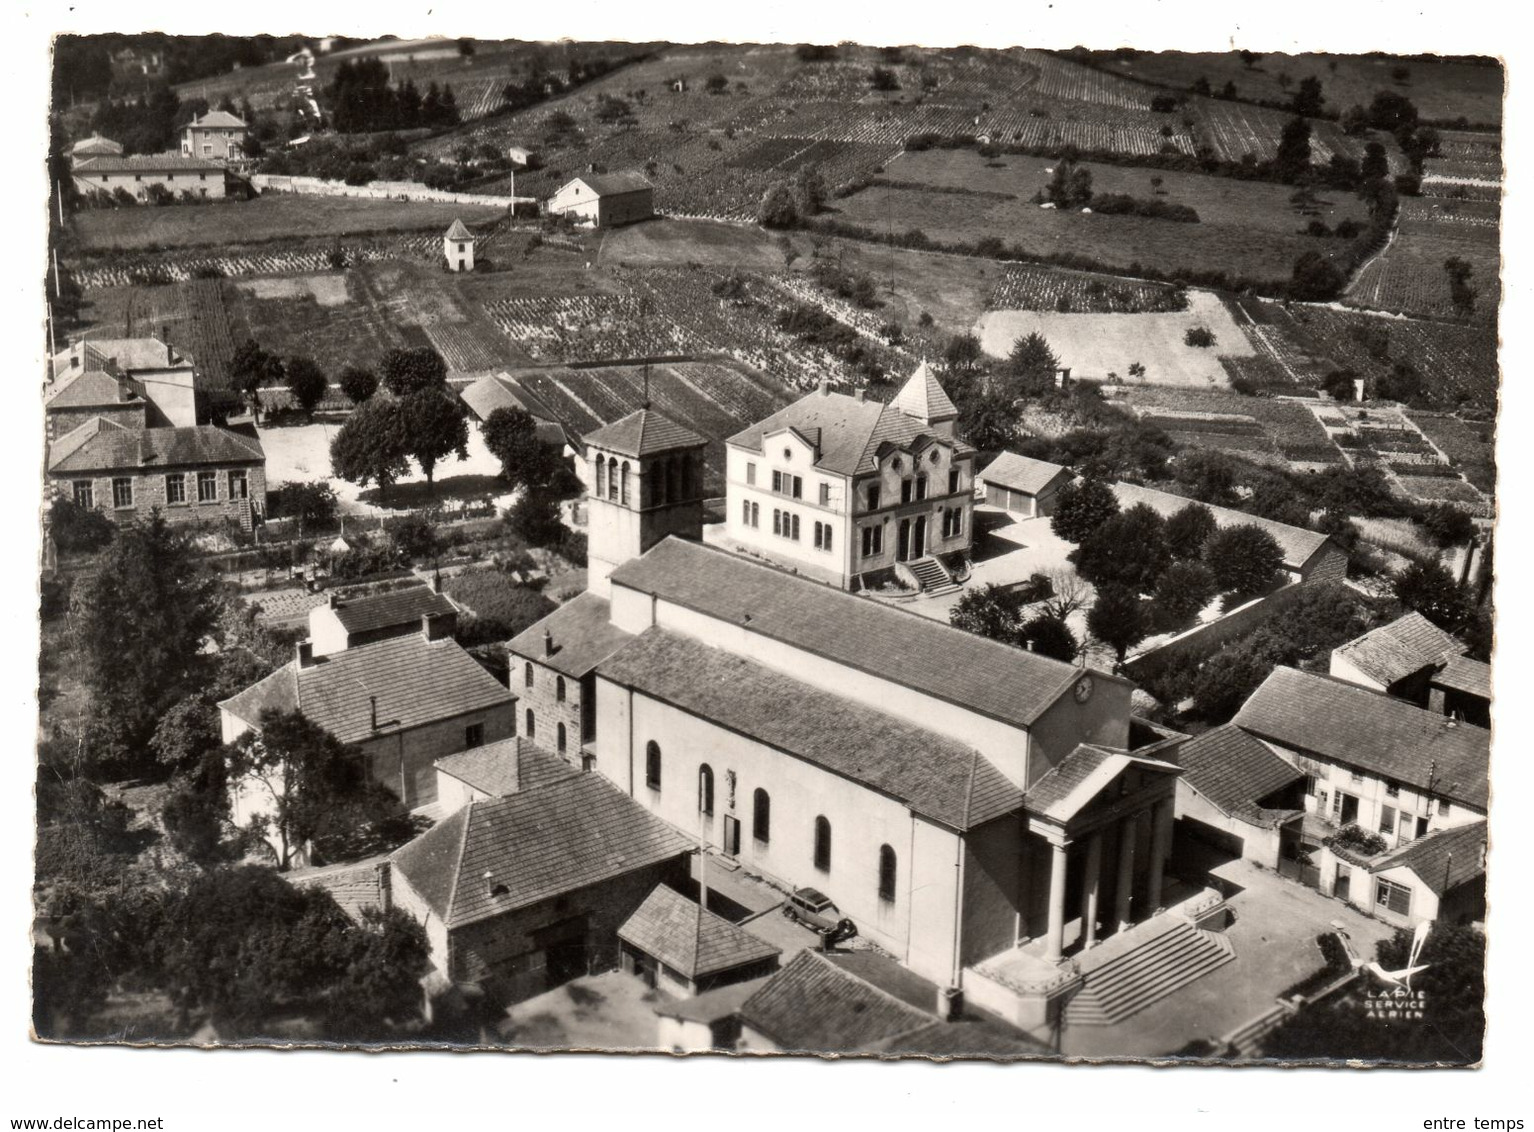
1412 659
1239 796
605 200
201 177
136 382
681 948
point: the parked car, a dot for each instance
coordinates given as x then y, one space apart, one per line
816 911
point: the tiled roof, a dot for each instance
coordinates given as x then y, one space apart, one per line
507 767
1062 791
710 1006
1234 770
494 391
582 632
1297 543
612 184
132 355
1462 674
96 146
111 447
1444 859
924 398
149 163
643 433
386 610
1005 683
814 1006
90 389
1343 723
1395 651
690 939
216 119
457 231
963 1038
1021 473
846 431
414 680
934 775
535 845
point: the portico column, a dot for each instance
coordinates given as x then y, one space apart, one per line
1129 828
1055 942
1161 843
1091 889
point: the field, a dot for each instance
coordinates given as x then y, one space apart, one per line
1245 228
265 218
1408 276
1102 346
665 242
1443 90
1261 428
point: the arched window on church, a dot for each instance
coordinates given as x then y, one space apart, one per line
601 476
761 816
822 844
532 725
560 738
625 481
527 674
652 765
612 479
886 874
706 790
559 688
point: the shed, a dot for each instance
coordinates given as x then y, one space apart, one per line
1022 485
677 945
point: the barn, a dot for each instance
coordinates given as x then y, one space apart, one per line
605 200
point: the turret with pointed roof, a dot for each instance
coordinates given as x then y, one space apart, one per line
924 398
458 247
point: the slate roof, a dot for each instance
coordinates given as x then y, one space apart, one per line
1021 473
100 445
386 610
415 681
507 767
216 119
690 939
643 433
1062 791
538 844
583 635
1397 650
1234 770
91 389
149 163
997 680
1462 674
1343 723
847 432
457 231
924 397
615 184
1297 543
935 776
1444 859
815 1006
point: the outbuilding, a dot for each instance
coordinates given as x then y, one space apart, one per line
605 200
1022 485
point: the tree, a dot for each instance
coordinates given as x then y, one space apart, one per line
1375 165
1244 559
716 84
1128 549
437 428
1228 679
1431 590
358 384
536 519
511 435
186 733
1182 591
1292 160
251 368
413 538
1392 112
312 787
1461 293
1052 637
408 371
777 209
76 529
1081 508
1117 619
1070 185
374 444
1314 278
992 612
1447 525
1249 59
1307 100
809 189
307 382
312 503
883 79
1209 476
138 627
1031 366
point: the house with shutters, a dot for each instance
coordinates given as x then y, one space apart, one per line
849 490
604 200
216 135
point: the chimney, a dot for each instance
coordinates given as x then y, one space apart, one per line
74 360
1028 645
334 599
438 626
373 712
305 652
548 643
950 1003
824 388
436 581
862 394
1358 389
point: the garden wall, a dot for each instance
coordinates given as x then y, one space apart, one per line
376 190
1202 640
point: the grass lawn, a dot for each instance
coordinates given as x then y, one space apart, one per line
952 289
266 218
1246 228
1095 345
679 242
1441 89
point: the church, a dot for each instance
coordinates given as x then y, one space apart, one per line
986 815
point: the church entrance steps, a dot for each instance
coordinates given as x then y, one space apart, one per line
1141 966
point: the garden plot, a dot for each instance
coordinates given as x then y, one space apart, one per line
326 290
1101 347
1217 419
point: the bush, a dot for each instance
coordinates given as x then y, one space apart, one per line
499 607
76 530
1181 592
1199 336
358 384
1447 525
1244 559
1360 840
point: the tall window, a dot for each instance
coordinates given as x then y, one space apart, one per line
785 484
873 497
905 491
873 541
825 495
1387 819
532 725
122 492
745 512
239 485
652 765
473 736
886 874
822 536
625 475
175 488
601 476
559 738
822 844
794 525
761 816
612 480
559 688
777 521
751 474
527 674
706 790
85 494
921 486
756 514
207 487
953 481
